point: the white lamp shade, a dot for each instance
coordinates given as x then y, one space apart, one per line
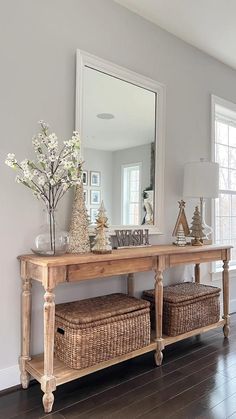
201 180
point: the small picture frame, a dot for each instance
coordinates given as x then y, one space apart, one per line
95 197
85 196
85 177
95 178
93 215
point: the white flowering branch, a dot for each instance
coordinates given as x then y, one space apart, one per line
54 171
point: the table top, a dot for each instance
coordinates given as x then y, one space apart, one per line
118 254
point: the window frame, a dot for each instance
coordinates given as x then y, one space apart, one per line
216 272
125 166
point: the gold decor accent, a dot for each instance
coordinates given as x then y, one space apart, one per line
102 242
79 232
182 219
197 228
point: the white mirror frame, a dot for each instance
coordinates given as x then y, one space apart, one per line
84 59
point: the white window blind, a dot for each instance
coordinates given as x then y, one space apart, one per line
131 194
225 155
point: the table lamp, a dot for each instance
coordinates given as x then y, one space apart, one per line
201 180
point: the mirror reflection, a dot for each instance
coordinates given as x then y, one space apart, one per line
118 131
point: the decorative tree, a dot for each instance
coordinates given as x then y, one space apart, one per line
197 228
181 220
102 242
79 233
180 239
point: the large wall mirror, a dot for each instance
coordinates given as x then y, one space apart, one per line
120 116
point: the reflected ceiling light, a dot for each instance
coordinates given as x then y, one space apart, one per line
105 115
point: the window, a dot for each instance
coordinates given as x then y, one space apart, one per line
131 194
224 152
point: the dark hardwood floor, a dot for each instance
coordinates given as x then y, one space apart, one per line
196 380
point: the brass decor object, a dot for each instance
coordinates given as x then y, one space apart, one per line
197 228
98 329
129 238
181 230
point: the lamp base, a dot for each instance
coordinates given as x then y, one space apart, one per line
207 241
196 242
207 230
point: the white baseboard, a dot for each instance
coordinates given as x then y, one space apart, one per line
233 306
9 377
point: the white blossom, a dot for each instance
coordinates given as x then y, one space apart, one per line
37 194
43 124
11 156
52 182
52 157
35 142
11 160
28 175
52 141
68 164
42 159
41 180
24 164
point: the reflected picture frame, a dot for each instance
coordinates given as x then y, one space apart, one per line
95 178
95 197
85 177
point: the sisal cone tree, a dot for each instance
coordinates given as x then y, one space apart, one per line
79 226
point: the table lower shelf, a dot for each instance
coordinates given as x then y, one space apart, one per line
64 374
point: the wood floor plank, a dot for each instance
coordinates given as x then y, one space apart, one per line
163 378
201 406
166 409
225 409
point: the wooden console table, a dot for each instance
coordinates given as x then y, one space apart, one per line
51 271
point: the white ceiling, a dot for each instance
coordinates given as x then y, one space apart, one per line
133 109
209 25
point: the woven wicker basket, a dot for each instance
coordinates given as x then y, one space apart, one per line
186 306
98 329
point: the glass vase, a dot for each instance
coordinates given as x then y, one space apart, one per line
51 240
207 230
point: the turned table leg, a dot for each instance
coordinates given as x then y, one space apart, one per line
225 279
159 313
25 326
48 381
130 284
197 273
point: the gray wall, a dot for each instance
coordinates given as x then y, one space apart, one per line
38 40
